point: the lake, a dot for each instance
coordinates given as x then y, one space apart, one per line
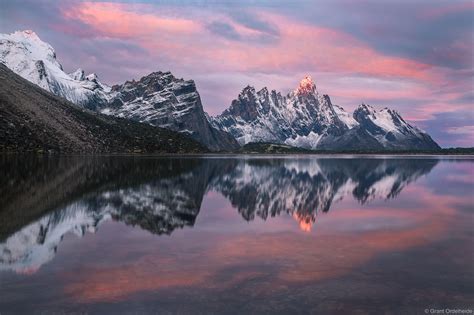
236 234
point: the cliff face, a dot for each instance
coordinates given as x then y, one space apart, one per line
160 99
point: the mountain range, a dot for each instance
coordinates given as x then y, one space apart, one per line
303 118
307 119
158 99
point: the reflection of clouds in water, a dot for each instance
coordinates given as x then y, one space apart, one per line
256 187
462 178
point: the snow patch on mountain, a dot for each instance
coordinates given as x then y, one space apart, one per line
389 129
345 117
309 141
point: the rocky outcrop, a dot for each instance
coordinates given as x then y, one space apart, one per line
160 99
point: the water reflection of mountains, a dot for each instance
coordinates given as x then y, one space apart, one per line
43 199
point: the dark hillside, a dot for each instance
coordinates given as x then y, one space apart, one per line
32 119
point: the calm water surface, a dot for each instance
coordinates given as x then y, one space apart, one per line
236 235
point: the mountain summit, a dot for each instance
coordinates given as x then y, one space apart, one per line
31 58
305 118
306 86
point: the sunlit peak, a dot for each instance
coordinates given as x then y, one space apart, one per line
306 86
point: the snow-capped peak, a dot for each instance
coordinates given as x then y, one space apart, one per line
386 119
27 55
306 86
26 34
20 49
246 91
301 118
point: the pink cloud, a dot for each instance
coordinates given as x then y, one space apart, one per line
299 45
117 20
447 9
180 41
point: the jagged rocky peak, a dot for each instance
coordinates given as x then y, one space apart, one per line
79 75
156 92
303 115
306 86
365 109
245 106
163 83
247 93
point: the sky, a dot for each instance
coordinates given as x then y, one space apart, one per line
413 56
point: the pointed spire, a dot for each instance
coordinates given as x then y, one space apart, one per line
306 86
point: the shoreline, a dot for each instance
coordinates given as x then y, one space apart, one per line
238 154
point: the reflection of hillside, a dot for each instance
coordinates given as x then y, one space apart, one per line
169 198
32 186
379 178
162 194
157 207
